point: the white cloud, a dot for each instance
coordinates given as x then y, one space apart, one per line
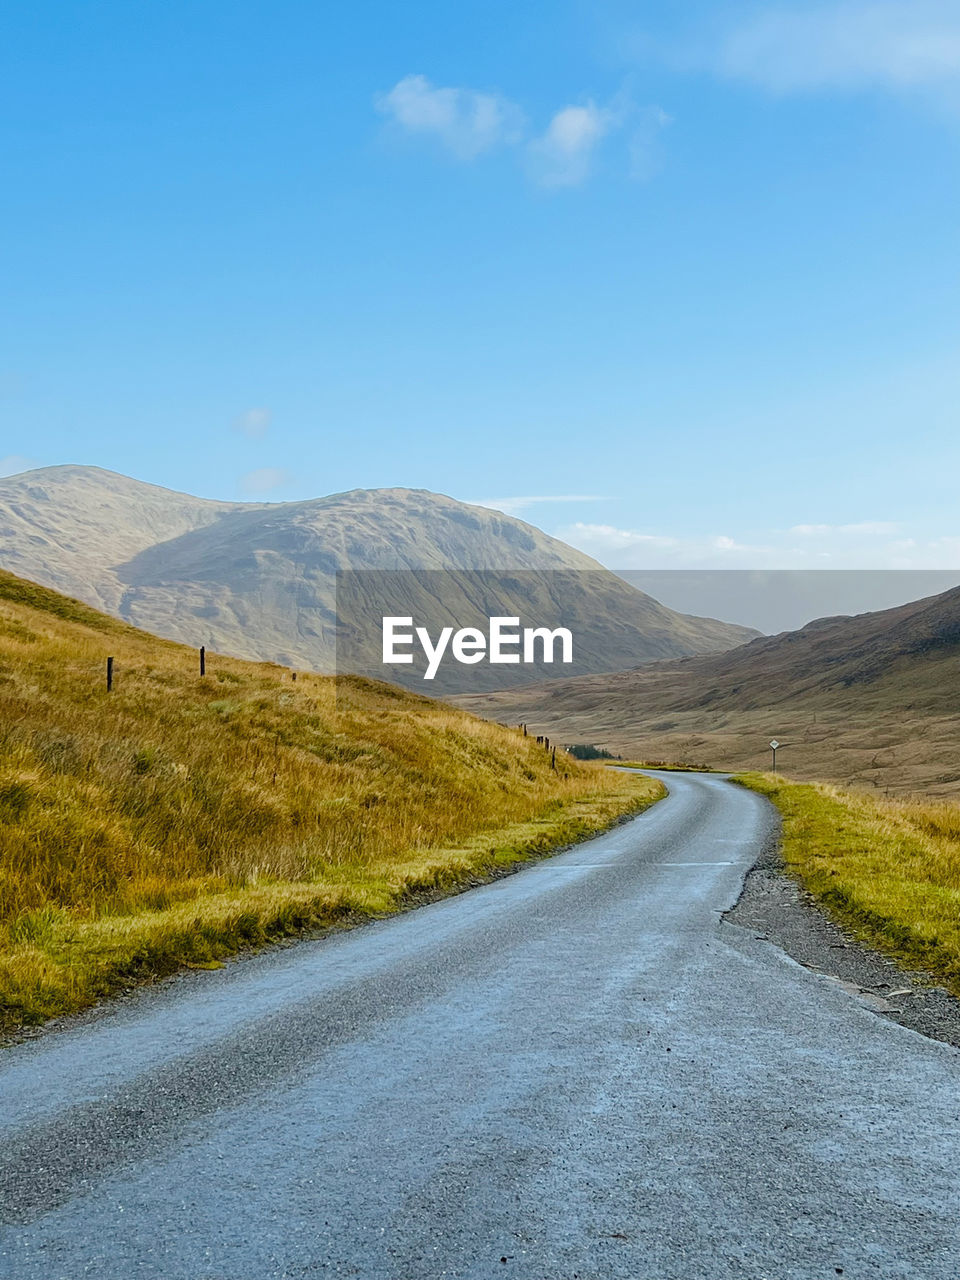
853 44
937 553
14 463
643 549
512 506
632 549
562 156
466 122
606 538
264 480
866 528
866 544
253 423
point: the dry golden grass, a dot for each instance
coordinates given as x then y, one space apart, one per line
176 819
889 869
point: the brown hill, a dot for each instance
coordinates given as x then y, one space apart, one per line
257 580
872 700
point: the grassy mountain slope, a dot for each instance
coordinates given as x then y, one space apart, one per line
872 700
176 819
257 580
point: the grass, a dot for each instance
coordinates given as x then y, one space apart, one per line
176 820
887 869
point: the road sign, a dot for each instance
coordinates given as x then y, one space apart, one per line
774 744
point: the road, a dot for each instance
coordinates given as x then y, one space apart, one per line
579 1072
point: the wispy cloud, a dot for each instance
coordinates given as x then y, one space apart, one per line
865 528
607 537
468 123
561 157
513 506
868 544
14 463
264 480
253 423
633 548
843 44
464 121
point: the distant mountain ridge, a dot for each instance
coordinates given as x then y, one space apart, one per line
256 579
872 700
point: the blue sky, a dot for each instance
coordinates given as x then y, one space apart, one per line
678 283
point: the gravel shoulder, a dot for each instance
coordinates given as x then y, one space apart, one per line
777 909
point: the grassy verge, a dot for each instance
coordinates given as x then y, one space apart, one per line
176 819
889 870
62 961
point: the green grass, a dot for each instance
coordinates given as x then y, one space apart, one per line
176 820
889 870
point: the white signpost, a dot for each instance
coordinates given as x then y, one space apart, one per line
773 745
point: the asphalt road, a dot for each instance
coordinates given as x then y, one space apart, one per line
575 1073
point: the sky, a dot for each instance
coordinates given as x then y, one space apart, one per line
678 284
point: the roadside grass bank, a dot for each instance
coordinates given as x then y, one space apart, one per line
175 820
888 870
58 961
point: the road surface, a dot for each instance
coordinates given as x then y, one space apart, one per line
575 1073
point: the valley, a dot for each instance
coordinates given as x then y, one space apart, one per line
871 701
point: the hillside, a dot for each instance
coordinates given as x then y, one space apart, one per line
174 819
872 700
257 581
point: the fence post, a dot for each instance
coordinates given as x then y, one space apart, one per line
553 760
109 674
203 661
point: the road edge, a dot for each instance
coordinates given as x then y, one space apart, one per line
777 909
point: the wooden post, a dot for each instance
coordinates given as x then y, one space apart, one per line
109 674
553 760
203 661
294 677
524 730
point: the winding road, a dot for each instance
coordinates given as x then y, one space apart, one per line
578 1072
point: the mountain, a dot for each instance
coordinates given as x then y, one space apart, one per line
872 700
257 580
